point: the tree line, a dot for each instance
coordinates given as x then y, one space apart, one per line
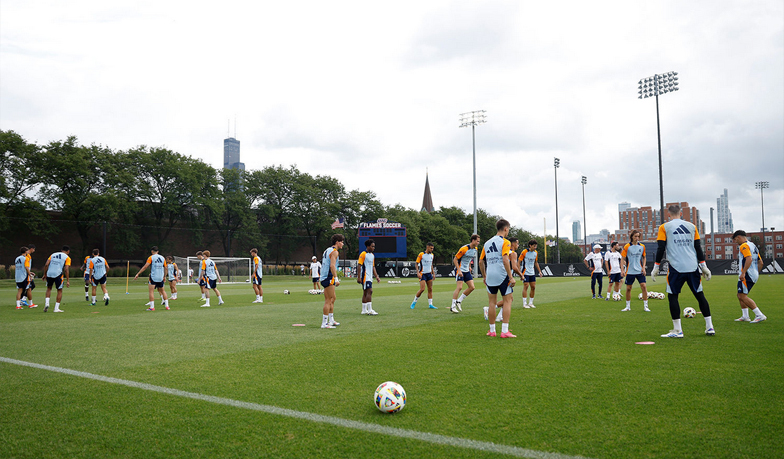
149 196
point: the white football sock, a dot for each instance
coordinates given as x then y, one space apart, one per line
708 322
462 297
645 303
93 298
504 328
324 319
331 317
525 301
676 325
745 312
430 301
492 328
757 312
628 304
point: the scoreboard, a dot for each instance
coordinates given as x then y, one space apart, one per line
390 238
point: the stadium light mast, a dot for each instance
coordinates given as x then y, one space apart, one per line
761 186
557 164
584 180
472 119
652 87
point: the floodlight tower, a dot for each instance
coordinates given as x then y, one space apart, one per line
584 180
557 164
652 87
761 186
472 119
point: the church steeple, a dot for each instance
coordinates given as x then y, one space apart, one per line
427 201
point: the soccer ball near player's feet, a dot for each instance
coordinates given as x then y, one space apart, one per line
390 397
689 313
616 296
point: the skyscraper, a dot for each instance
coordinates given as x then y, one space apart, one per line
623 206
577 231
724 216
231 154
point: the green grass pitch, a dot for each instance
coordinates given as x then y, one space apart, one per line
574 382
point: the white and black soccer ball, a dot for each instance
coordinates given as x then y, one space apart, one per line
390 397
689 313
286 292
639 297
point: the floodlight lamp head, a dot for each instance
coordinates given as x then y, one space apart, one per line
584 180
557 162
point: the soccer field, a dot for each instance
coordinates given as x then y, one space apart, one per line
206 382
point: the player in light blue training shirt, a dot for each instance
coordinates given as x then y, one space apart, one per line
98 270
57 265
498 276
157 266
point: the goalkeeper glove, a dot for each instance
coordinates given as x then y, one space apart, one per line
655 271
705 271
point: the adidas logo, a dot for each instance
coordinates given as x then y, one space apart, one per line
492 248
546 271
682 230
773 268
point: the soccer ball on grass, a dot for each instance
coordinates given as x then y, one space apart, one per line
689 313
390 397
286 292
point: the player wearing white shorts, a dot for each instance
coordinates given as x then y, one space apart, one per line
612 264
98 271
57 265
750 263
681 241
498 276
157 264
367 271
462 262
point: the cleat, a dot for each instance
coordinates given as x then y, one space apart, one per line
335 324
742 319
150 309
710 332
675 334
92 304
220 303
491 334
532 306
203 299
364 313
626 309
106 301
459 306
328 326
32 306
205 306
487 311
372 313
24 303
167 308
453 310
647 310
18 307
758 319
255 301
607 299
593 297
413 303
431 306
508 335
58 310
46 308
526 306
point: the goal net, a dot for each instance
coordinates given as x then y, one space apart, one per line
231 270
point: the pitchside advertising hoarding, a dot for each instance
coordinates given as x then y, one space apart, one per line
390 238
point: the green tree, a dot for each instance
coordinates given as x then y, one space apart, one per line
358 207
20 173
317 202
277 188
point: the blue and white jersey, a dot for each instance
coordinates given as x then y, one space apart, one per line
366 262
19 264
98 267
325 263
466 255
57 263
680 236
210 270
171 271
634 254
425 262
157 267
748 249
494 251
529 257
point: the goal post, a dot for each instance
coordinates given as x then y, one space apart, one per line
232 270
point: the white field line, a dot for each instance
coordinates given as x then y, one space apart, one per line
366 427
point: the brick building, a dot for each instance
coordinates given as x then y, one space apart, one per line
647 220
727 250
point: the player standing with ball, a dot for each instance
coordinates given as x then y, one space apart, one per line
329 280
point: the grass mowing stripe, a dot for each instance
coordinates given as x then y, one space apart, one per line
367 427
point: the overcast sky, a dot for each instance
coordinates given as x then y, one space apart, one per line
370 93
